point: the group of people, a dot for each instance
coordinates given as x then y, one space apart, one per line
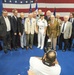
36 29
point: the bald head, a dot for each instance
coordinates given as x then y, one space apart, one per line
57 15
66 18
48 13
51 56
71 15
22 15
30 15
39 11
52 17
34 14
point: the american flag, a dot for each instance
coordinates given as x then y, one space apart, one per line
64 7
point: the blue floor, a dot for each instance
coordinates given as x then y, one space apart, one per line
17 62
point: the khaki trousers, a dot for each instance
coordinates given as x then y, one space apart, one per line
53 42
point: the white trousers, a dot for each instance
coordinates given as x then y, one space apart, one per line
23 40
41 39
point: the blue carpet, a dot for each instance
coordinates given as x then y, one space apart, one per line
17 62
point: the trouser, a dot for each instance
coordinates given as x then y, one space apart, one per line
35 39
70 42
29 39
23 40
15 41
61 39
7 41
57 40
46 40
41 38
53 42
66 42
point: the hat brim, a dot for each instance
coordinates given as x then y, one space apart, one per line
41 15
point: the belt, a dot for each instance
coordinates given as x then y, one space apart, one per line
41 28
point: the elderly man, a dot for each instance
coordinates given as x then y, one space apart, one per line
71 19
22 31
30 28
5 25
35 34
48 15
53 31
60 22
66 31
47 18
48 65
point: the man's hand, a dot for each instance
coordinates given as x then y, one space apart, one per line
19 34
56 61
37 32
69 37
26 32
15 33
30 72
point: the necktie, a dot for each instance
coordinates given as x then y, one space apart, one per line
30 22
23 21
63 27
70 19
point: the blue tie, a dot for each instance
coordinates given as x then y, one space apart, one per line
23 21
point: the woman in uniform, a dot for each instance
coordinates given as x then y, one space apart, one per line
41 27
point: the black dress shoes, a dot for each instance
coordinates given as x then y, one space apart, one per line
69 49
31 47
22 48
27 48
64 50
15 49
60 49
5 51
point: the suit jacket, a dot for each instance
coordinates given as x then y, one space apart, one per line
53 29
47 19
21 26
30 28
15 25
72 27
3 27
67 30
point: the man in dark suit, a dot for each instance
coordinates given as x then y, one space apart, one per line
15 29
48 15
71 19
22 31
47 18
5 30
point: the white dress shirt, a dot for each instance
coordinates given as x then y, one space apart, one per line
7 23
37 66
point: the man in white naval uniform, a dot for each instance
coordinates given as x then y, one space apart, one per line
41 27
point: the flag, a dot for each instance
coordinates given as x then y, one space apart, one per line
63 7
0 7
36 8
30 10
54 13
